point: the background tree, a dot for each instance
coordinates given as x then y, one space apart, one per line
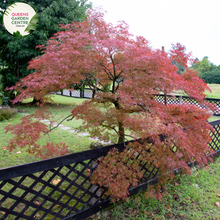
181 69
212 76
207 70
15 52
203 66
167 136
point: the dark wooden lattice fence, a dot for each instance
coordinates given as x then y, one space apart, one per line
59 188
87 93
187 101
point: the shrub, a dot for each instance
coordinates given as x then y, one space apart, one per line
7 113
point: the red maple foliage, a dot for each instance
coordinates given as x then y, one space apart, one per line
125 74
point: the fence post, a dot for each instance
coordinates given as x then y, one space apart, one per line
82 93
180 99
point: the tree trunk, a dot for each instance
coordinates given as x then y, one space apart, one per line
121 132
93 93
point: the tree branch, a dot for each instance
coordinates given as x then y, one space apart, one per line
66 118
110 76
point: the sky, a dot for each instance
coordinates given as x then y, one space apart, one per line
193 23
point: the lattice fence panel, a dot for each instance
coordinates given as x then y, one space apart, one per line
75 93
215 135
159 98
217 102
170 99
87 93
187 101
66 92
149 171
55 193
51 194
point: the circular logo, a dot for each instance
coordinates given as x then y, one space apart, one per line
20 17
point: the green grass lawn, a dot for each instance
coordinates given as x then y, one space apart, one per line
214 94
60 109
215 88
215 91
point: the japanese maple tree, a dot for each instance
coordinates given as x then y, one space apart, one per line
125 74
